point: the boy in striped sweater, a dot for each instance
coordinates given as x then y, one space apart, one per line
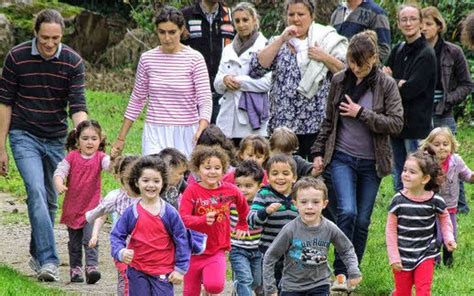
245 258
272 207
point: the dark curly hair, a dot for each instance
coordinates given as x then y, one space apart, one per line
202 152
121 166
429 165
147 162
213 135
250 168
72 140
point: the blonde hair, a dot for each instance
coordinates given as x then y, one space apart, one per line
440 131
433 12
411 4
250 9
284 140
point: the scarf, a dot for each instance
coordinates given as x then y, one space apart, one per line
356 91
241 46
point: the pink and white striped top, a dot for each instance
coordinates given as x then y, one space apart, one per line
174 86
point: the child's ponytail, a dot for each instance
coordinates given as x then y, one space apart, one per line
429 165
71 142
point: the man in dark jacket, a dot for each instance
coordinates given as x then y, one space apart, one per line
210 29
413 65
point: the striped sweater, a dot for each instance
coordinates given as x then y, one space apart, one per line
248 242
175 88
40 91
271 224
367 16
415 229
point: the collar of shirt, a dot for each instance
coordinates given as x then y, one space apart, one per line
35 51
210 15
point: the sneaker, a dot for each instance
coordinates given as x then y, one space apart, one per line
76 275
48 273
34 265
92 275
340 284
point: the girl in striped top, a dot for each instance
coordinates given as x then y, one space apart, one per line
411 230
173 82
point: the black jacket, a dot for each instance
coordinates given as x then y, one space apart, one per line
209 40
415 63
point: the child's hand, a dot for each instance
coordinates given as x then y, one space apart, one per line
354 282
211 218
127 256
396 267
273 208
60 187
451 246
240 234
175 278
93 241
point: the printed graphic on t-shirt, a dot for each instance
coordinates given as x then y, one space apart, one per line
219 204
309 253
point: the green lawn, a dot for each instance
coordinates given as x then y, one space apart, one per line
377 278
13 283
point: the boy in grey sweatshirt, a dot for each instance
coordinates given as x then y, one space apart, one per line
304 243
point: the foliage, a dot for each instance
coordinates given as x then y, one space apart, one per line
21 16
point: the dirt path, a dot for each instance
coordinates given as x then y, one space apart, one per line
14 244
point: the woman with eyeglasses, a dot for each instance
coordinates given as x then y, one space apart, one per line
244 104
412 63
302 60
364 109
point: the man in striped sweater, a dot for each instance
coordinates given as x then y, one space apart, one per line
42 82
354 16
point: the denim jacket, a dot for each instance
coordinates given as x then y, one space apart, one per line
455 78
385 119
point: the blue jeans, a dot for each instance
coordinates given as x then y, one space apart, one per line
401 148
247 269
36 159
318 291
356 184
449 121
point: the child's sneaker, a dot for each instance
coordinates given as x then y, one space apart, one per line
340 284
92 274
76 275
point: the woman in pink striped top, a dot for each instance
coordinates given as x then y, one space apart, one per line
173 82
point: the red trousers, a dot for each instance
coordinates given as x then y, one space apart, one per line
208 270
421 277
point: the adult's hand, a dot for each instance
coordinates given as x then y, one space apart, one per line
231 83
202 125
117 148
317 53
349 108
318 165
288 33
3 162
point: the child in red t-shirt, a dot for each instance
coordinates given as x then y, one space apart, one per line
205 207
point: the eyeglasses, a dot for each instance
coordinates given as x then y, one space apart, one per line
411 20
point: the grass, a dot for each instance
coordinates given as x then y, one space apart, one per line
108 109
14 283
